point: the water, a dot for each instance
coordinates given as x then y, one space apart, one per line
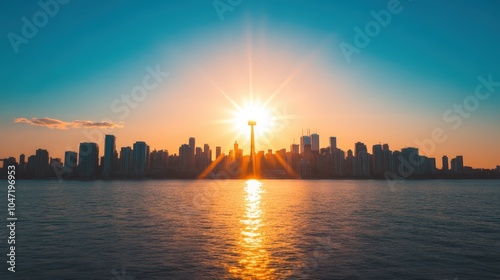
233 229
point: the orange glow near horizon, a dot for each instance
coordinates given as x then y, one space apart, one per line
286 85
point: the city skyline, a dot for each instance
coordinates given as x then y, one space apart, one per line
305 160
316 69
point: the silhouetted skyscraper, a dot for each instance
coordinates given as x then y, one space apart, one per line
109 154
315 143
337 162
88 161
126 161
185 156
218 152
192 146
445 164
333 144
460 163
141 159
294 149
22 163
359 147
42 162
378 159
70 162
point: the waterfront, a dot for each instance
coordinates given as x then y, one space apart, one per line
279 229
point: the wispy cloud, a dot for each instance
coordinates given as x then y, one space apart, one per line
59 124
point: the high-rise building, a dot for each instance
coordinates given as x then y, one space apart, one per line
315 143
109 154
333 144
22 163
460 163
378 159
126 161
192 145
141 159
388 159
31 166
410 162
359 147
362 165
207 154
304 140
185 156
294 149
191 158
337 162
42 163
70 162
445 164
218 152
88 161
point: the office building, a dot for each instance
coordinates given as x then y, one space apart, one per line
141 159
88 161
315 143
109 155
70 162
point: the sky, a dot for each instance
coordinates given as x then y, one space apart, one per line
408 73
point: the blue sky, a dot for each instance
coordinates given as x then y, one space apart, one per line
426 59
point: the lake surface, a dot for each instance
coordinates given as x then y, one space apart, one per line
234 229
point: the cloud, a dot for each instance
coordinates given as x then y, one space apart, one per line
58 124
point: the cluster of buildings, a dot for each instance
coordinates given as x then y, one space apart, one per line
304 160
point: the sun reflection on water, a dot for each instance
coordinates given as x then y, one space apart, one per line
254 259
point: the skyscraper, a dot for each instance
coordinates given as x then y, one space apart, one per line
70 162
141 159
460 163
192 146
42 163
333 144
126 161
378 159
109 154
445 164
294 149
218 151
315 143
304 140
359 147
88 161
184 157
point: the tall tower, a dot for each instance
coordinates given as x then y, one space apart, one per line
109 153
252 145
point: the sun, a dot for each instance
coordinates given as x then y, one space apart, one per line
252 111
